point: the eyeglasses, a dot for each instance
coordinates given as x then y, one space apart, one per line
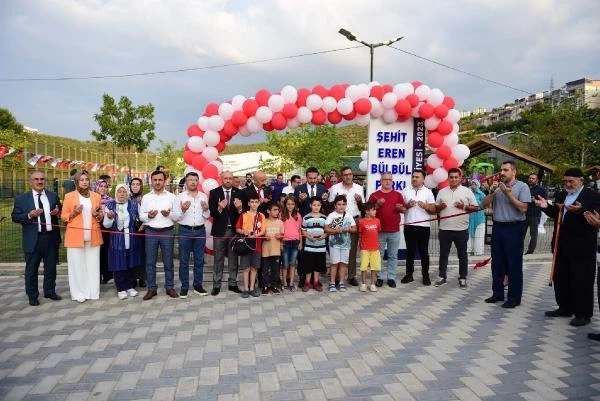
38 179
346 174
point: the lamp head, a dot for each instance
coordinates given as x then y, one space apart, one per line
349 35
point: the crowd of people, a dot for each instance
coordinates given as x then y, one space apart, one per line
279 235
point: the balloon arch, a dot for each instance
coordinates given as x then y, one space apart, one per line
292 107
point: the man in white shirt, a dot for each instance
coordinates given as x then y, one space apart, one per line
190 209
355 197
294 182
155 213
451 204
420 205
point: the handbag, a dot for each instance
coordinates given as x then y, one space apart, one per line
242 245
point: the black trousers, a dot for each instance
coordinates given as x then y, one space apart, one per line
46 249
104 273
417 237
459 239
574 280
270 271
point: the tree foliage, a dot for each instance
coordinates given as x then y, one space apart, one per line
126 126
169 155
302 147
9 122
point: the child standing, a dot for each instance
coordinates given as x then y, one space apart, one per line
368 229
252 225
339 225
292 240
313 231
271 250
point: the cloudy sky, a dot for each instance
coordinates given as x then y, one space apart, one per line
521 44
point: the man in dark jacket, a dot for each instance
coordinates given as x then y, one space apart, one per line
533 212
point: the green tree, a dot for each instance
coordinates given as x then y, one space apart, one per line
302 147
9 122
127 127
170 156
12 135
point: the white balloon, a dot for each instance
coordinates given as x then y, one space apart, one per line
376 107
209 184
275 103
244 131
218 165
190 169
211 138
453 116
364 91
362 120
362 166
372 84
210 153
196 144
215 123
304 115
329 104
415 112
430 182
225 111
293 123
345 106
451 140
238 102
436 97
432 123
352 93
439 174
461 152
434 161
455 129
423 92
264 114
254 126
314 102
289 94
209 238
403 90
390 116
203 123
389 100
364 154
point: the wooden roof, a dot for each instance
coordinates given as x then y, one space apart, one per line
481 145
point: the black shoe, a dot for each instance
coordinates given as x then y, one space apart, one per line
510 304
142 283
34 302
493 300
275 291
579 321
183 293
558 313
200 291
353 281
265 291
594 336
54 297
391 283
426 280
215 291
235 289
529 253
379 282
407 279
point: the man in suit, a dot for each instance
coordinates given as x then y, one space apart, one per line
260 189
303 193
225 205
575 248
37 211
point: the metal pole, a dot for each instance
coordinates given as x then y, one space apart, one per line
372 49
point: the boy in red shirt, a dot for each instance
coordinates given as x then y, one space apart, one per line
368 229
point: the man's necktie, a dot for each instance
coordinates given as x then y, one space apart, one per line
43 215
227 197
312 191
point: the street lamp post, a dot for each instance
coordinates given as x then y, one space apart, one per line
372 46
583 153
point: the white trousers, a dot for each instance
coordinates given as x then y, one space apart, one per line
84 272
476 242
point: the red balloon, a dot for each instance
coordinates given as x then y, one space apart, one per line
416 84
221 146
211 109
443 152
199 162
377 92
334 117
290 110
426 110
351 116
434 139
441 111
268 127
262 97
387 88
450 163
445 127
402 107
194 130
210 171
188 156
443 184
318 117
229 128
320 90
337 92
238 118
249 107
413 100
278 121
224 136
363 106
429 169
404 117
303 93
449 102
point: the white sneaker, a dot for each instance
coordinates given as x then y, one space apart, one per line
363 288
132 292
373 288
440 281
80 300
122 294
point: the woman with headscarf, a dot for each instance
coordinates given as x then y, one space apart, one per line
136 189
476 223
123 257
82 212
101 188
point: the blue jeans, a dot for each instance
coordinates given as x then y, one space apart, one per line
164 240
507 258
391 241
196 245
290 253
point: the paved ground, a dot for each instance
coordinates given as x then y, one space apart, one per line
409 343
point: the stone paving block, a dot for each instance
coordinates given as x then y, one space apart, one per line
24 368
164 394
228 366
333 388
46 385
249 392
302 362
286 371
209 376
